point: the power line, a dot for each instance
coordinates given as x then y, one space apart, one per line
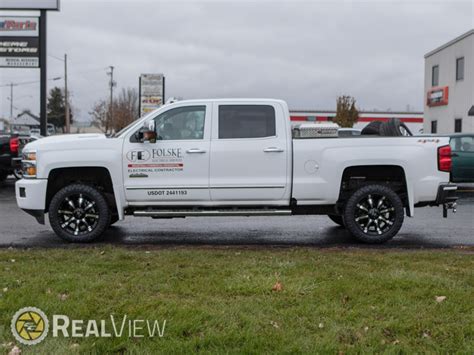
55 78
28 82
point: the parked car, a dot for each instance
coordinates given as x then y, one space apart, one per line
462 146
9 150
233 157
35 131
23 140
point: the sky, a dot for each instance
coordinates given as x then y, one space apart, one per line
304 52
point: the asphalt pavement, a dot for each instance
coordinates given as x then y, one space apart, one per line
426 230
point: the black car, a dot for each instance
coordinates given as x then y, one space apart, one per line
10 154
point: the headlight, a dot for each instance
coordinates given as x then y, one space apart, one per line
28 163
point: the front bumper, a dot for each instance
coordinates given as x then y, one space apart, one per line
31 197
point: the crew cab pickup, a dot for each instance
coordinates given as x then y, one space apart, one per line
232 157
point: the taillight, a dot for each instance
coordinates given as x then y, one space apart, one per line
444 158
14 144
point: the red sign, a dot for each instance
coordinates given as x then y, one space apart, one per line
437 96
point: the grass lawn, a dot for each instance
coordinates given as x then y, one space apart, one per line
220 300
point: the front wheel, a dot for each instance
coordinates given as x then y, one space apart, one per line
79 213
374 214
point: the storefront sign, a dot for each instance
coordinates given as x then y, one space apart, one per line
437 96
151 92
19 52
30 5
18 26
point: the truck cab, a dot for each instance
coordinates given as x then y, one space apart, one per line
211 153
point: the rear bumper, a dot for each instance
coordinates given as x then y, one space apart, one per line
446 194
31 196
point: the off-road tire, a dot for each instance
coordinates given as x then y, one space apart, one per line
337 219
373 128
100 209
384 226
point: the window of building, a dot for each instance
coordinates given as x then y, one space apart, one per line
458 125
435 75
434 126
460 68
246 121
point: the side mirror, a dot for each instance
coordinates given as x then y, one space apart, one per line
149 137
147 133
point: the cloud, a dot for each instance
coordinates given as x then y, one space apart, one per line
304 52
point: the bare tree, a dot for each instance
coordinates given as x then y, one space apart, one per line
100 116
125 109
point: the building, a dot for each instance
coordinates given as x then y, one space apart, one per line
24 122
4 125
413 120
449 86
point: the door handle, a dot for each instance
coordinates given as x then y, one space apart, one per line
195 151
454 155
273 150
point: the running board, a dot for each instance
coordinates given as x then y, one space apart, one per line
209 213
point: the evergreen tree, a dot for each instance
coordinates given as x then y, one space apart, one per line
56 109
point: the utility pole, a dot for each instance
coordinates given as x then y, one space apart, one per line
11 101
43 76
112 84
66 97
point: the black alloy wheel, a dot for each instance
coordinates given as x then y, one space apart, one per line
79 213
374 214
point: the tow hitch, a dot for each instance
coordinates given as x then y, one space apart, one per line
449 206
447 197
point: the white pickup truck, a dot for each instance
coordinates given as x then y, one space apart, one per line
232 157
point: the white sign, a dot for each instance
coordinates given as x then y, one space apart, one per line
30 5
19 62
19 26
151 92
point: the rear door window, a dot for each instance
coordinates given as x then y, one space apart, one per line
246 121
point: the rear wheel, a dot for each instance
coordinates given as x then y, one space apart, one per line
374 214
337 219
79 213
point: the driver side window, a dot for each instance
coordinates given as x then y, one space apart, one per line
182 123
